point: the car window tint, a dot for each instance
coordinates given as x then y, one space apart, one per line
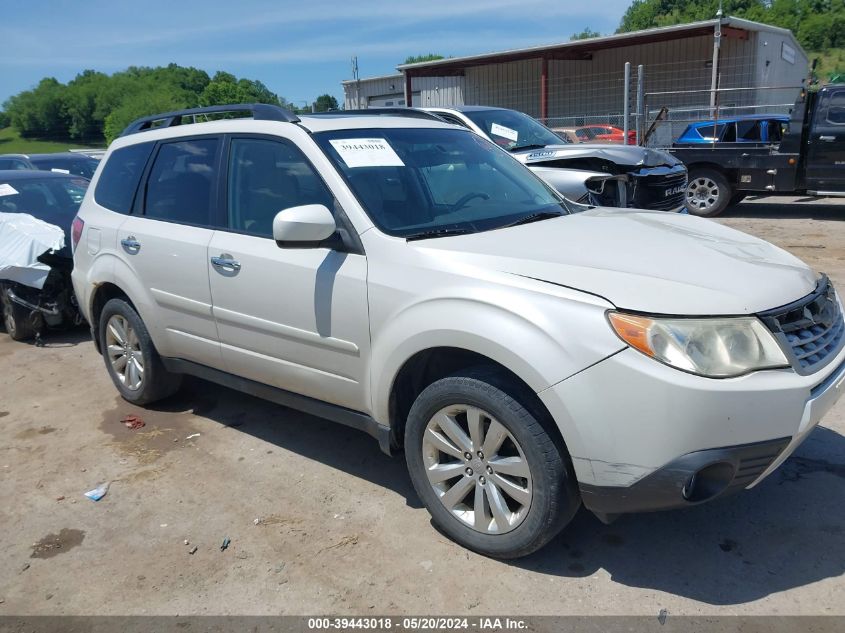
179 188
776 130
750 131
266 177
836 108
120 177
730 133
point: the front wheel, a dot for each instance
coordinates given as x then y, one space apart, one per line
489 472
708 192
16 319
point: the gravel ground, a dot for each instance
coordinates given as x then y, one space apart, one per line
321 522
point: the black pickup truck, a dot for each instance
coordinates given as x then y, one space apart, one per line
810 159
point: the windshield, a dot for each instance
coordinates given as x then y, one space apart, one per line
49 199
513 130
416 181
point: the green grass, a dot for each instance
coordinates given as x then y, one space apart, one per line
12 143
831 60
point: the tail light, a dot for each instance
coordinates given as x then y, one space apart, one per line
76 232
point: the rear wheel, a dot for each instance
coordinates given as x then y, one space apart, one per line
131 358
490 474
708 192
16 318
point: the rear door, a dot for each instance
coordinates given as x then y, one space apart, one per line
825 164
165 245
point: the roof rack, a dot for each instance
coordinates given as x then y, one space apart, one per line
412 113
260 111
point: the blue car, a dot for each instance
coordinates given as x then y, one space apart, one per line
757 128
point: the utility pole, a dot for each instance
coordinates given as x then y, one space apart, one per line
717 45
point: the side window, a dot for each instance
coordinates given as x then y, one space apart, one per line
121 175
180 186
836 108
749 131
266 177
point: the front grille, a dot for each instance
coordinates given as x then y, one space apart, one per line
811 330
662 192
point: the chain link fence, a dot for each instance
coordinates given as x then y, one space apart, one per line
664 97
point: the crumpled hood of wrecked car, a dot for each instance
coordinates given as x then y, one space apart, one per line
655 262
626 155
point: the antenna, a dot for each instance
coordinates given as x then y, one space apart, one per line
357 81
719 13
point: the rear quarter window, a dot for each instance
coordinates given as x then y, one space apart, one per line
121 174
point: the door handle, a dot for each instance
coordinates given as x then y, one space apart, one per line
226 263
825 137
130 244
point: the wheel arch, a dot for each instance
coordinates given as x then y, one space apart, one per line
428 365
101 295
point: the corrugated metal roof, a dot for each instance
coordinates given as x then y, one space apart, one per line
397 76
581 48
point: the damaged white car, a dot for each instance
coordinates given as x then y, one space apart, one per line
36 213
596 174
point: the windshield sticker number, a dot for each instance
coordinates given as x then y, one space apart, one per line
504 132
7 190
367 152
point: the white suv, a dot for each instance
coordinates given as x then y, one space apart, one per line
411 279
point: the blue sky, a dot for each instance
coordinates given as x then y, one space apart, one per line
298 49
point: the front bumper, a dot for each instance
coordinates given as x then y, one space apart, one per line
644 436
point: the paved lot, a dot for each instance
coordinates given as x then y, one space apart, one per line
339 529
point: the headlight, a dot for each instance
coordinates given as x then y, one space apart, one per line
717 347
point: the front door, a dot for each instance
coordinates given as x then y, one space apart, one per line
825 167
294 318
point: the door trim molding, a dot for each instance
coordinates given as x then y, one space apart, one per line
333 412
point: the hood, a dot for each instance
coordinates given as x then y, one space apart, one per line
628 155
640 260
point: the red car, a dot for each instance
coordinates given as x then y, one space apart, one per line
610 134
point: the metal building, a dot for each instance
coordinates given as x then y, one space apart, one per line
572 82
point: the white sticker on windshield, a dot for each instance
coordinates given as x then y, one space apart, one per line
7 190
60 171
504 132
367 152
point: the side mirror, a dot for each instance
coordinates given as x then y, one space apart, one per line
305 226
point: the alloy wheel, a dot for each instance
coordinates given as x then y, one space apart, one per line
124 352
477 469
8 314
702 194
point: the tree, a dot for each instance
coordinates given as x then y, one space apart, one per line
586 34
224 88
416 59
324 103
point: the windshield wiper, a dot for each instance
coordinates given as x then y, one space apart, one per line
534 217
529 146
424 235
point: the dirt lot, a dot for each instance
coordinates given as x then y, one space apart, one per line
321 522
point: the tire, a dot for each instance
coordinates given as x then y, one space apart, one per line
141 378
708 192
547 497
736 199
16 318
